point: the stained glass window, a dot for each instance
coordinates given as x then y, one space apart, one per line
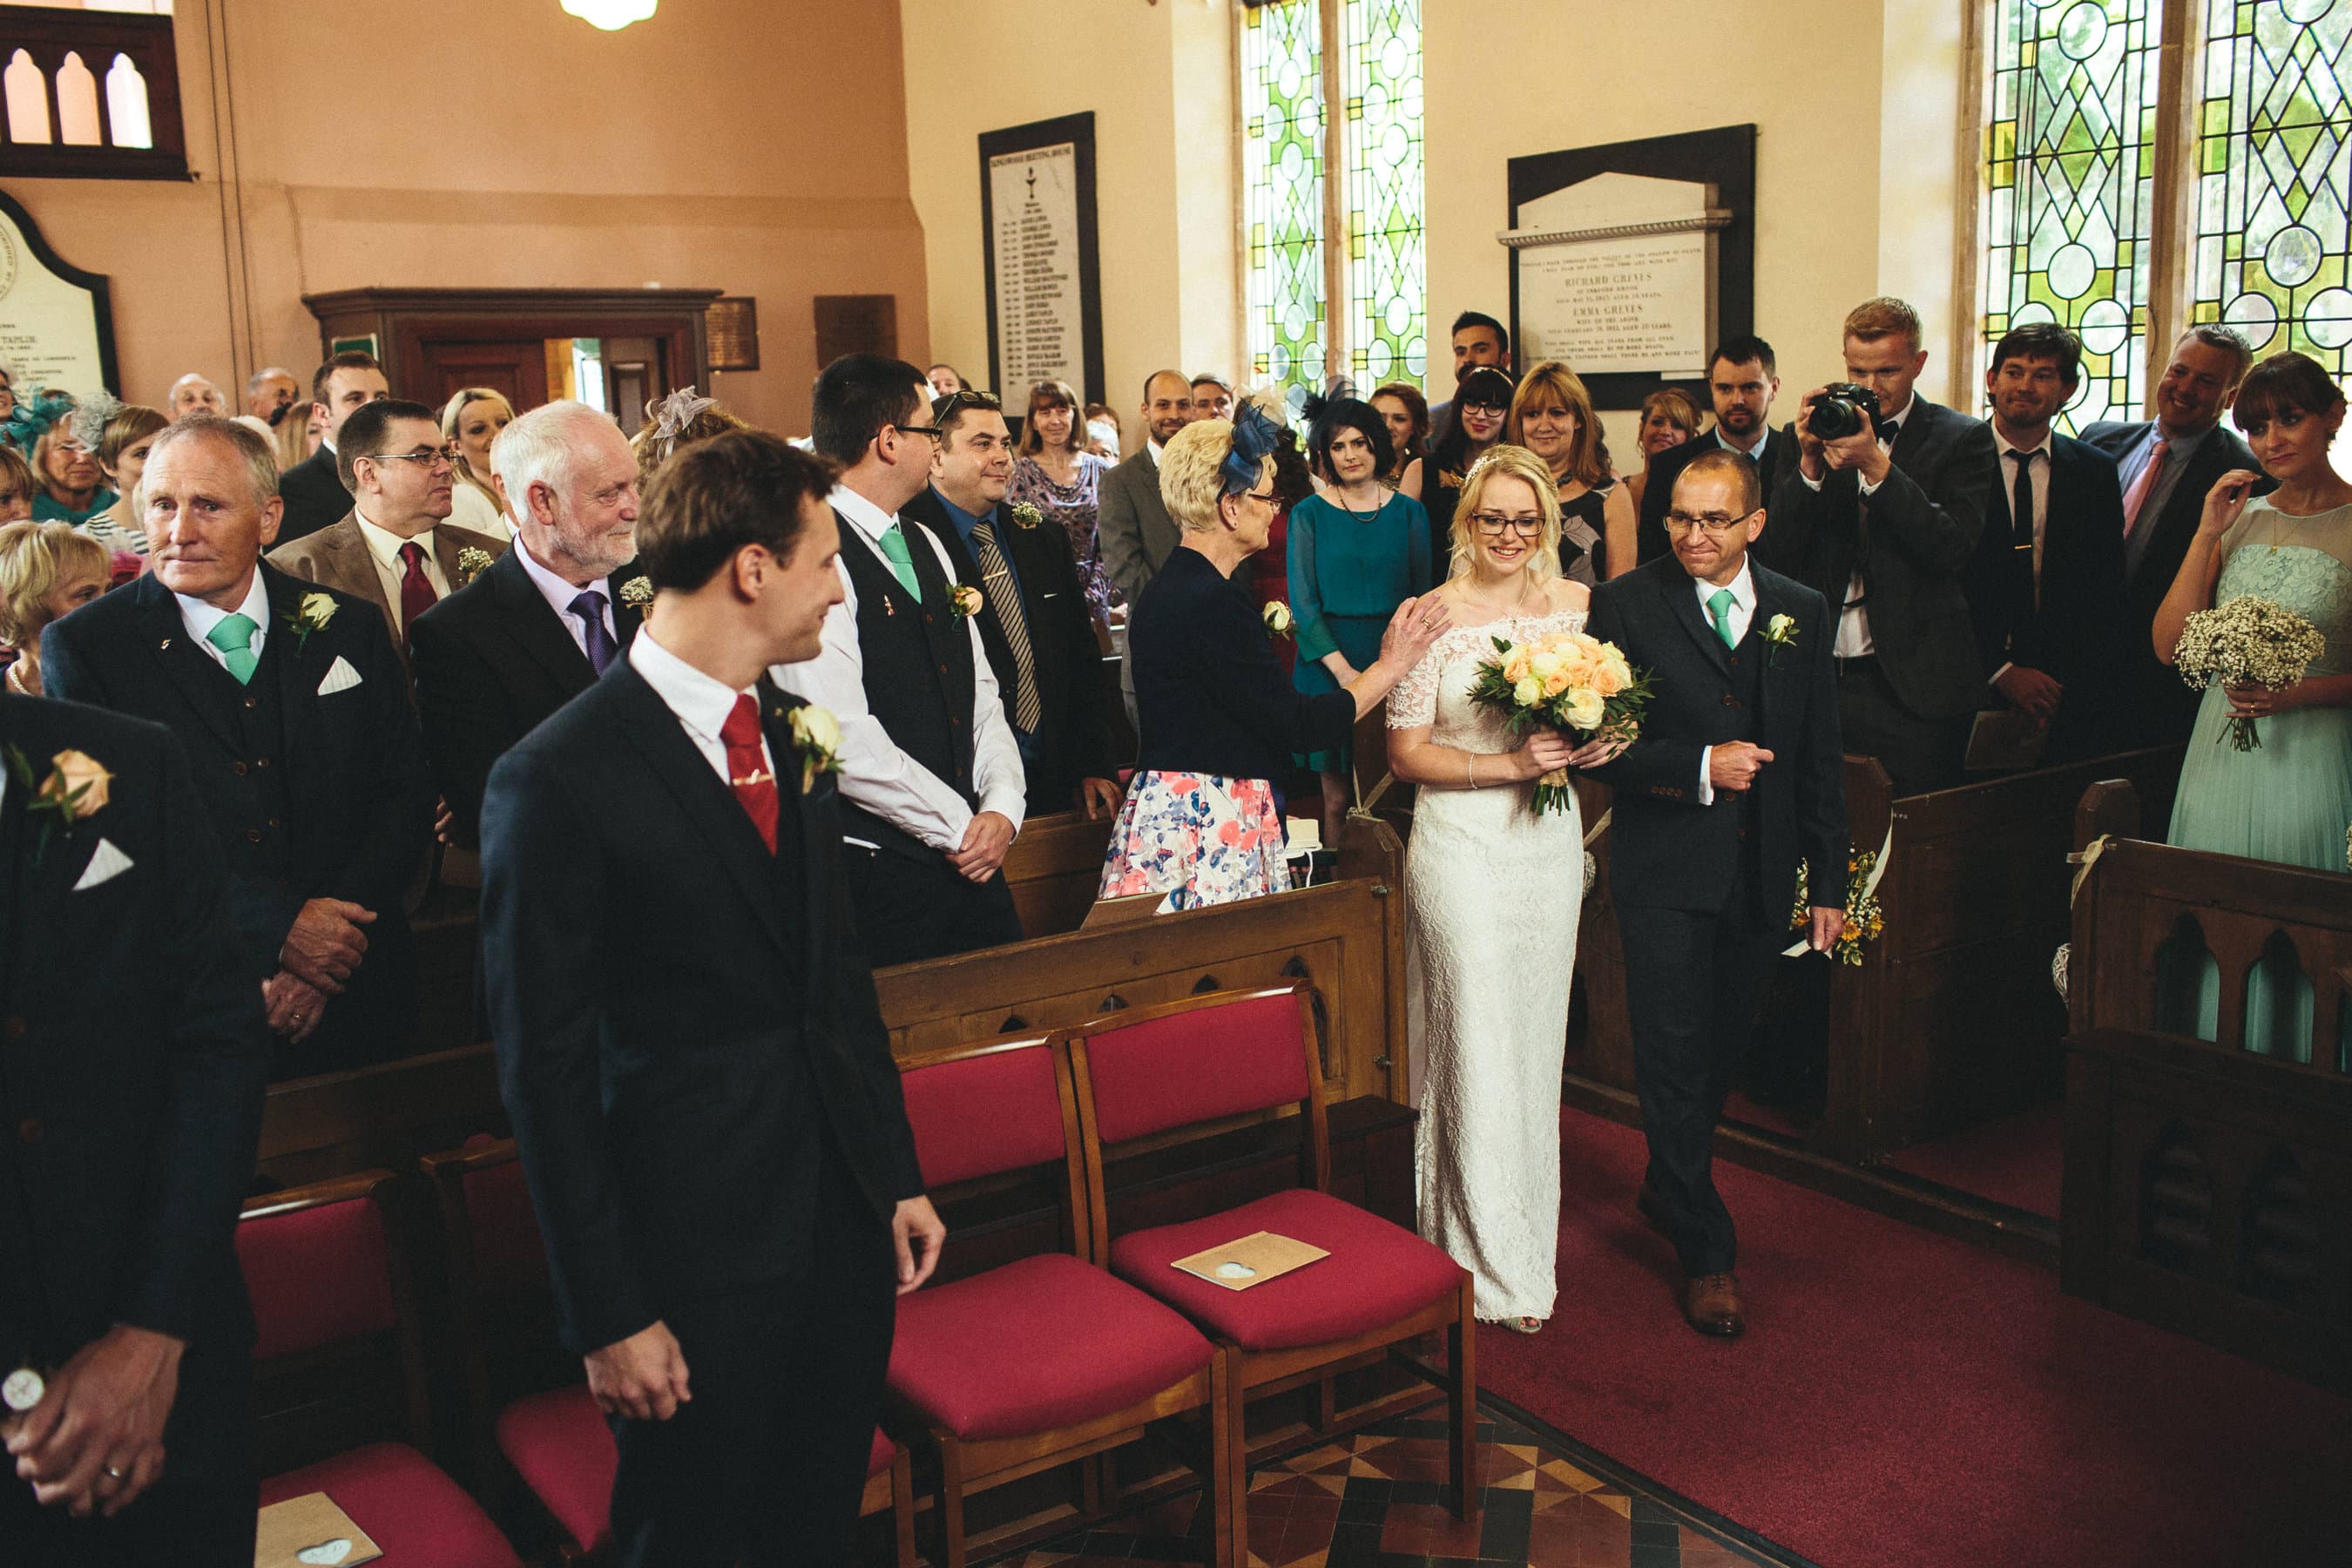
2069 167
2272 171
1372 144
1282 138
1387 288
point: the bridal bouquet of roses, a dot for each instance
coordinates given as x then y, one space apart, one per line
1568 681
2248 641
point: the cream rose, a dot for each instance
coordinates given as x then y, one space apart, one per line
1586 709
1529 692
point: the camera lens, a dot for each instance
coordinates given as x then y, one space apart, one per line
1834 418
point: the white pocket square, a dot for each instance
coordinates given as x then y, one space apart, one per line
341 677
105 865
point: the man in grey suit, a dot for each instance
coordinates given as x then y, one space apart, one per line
2168 463
1132 525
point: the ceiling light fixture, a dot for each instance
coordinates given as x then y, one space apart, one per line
611 15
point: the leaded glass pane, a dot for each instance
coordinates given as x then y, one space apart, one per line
2272 173
2069 182
1386 329
1282 141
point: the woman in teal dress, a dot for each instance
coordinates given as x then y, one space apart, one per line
2290 799
1358 550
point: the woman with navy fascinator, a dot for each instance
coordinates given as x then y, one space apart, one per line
1219 720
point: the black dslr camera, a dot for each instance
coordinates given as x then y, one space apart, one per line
1838 411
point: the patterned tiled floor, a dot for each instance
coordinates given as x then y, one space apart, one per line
1376 1499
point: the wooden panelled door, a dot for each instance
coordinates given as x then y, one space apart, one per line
515 367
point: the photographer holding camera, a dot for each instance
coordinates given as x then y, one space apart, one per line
1882 515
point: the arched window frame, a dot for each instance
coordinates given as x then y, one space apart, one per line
47 37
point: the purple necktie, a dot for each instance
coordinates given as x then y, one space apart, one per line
589 608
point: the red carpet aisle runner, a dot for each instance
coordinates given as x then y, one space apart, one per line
1908 1401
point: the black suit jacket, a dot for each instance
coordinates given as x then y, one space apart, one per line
492 661
131 1065
1921 530
1668 851
360 805
683 1024
2155 707
314 495
1658 493
2074 635
1073 739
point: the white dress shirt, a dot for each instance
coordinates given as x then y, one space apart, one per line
200 618
1756 454
875 773
701 703
385 546
1853 639
1743 611
559 595
1153 447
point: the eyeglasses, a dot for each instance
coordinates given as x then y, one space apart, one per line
429 461
1267 495
930 430
1493 524
1713 523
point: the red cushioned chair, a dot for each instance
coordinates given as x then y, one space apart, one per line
1151 1071
544 1426
1042 1359
339 1376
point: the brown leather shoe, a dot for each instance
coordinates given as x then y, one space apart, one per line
1711 1305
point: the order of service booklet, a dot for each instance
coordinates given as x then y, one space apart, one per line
310 1531
1252 1260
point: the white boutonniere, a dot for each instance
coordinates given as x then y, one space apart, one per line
1780 631
816 735
75 791
309 615
638 592
1279 619
1026 516
965 600
472 562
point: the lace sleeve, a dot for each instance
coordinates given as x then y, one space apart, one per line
1413 699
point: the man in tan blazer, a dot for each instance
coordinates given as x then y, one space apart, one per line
397 548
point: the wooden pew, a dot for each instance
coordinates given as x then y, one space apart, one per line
1054 868
1950 1019
2208 1188
1348 937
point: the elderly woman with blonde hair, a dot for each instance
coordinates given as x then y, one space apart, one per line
1202 821
47 571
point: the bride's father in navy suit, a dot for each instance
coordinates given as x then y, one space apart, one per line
1734 780
690 1043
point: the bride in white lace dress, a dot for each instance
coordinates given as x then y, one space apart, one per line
1492 891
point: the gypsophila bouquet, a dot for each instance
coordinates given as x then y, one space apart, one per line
1564 680
2250 641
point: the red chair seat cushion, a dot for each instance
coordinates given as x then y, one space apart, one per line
1040 1343
559 1443
1377 1273
562 1446
419 1516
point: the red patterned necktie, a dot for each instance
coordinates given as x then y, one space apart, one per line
416 594
747 768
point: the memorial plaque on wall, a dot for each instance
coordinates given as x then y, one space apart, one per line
57 321
1630 261
1038 239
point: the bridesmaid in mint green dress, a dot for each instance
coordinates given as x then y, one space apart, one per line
2290 799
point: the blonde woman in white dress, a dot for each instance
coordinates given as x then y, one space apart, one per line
1492 891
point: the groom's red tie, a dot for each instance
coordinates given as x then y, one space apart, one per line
747 768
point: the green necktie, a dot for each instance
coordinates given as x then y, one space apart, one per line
233 635
894 547
1718 604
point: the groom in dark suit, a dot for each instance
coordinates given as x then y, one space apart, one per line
295 713
1735 781
130 1085
690 1043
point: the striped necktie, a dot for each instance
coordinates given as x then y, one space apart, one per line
1004 598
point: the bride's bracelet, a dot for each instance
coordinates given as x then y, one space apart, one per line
1470 770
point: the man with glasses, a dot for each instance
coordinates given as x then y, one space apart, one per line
397 548
297 723
1735 781
931 783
